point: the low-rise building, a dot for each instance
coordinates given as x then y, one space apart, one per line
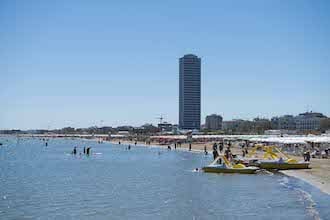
213 122
237 125
309 121
164 126
285 122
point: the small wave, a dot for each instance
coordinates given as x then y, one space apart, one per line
306 198
265 172
284 181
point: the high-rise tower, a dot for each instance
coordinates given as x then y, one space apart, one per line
190 92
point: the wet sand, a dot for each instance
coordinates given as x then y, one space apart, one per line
318 175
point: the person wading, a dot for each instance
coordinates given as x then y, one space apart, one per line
74 150
88 150
215 154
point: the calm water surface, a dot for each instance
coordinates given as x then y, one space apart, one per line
38 182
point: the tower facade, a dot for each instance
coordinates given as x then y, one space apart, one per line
190 92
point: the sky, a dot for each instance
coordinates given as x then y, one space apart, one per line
110 63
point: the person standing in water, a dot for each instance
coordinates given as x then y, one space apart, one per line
88 150
215 154
84 150
74 150
205 150
129 147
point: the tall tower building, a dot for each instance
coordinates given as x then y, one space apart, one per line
190 92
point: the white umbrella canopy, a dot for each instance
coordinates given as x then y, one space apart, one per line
256 138
294 140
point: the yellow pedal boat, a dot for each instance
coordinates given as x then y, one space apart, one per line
283 164
274 158
222 165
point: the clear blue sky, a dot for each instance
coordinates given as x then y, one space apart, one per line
75 63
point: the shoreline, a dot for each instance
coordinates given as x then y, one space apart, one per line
308 178
318 176
153 145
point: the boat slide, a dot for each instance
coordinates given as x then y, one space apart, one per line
226 167
274 158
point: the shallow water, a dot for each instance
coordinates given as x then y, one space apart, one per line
39 182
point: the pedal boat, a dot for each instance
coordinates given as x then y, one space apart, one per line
274 158
283 164
227 167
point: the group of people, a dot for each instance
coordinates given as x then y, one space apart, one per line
45 140
318 153
86 151
220 145
244 151
176 144
227 152
327 152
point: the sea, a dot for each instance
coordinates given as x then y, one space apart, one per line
48 182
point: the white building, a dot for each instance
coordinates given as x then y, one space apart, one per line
309 121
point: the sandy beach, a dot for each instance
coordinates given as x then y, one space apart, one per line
318 175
